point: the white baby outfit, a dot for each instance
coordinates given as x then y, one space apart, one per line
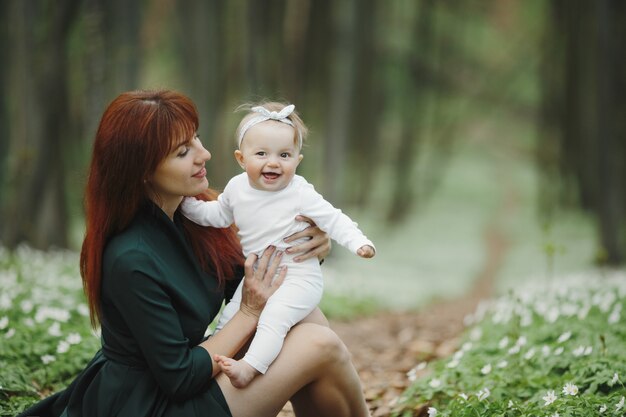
265 218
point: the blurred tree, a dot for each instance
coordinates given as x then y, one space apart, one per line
206 69
412 106
341 93
584 102
35 196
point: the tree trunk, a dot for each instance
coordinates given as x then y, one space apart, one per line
36 202
342 84
412 114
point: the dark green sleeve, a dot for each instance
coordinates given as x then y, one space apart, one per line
180 371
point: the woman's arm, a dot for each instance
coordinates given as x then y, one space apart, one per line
258 286
318 245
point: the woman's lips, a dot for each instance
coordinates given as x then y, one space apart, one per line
200 174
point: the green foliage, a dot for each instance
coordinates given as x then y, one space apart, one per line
543 350
337 306
44 326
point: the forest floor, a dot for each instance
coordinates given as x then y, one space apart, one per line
385 346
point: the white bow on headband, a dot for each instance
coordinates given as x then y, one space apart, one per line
265 114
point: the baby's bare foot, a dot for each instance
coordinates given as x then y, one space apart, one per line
240 372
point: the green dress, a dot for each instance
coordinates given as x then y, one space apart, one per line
156 306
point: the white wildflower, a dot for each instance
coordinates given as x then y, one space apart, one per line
73 338
504 342
529 355
564 337
476 334
83 310
432 412
27 306
502 364
28 322
558 351
620 404
570 389
583 312
549 398
555 415
486 369
5 302
588 351
521 341
10 333
421 366
614 380
526 320
483 394
552 315
602 408
453 364
614 317
579 351
513 350
55 329
435 383
458 355
463 395
4 322
545 350
46 359
412 375
466 346
511 405
63 346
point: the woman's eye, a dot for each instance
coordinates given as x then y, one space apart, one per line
183 152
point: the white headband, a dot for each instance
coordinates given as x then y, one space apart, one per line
265 114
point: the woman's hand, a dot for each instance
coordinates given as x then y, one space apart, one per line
260 284
318 244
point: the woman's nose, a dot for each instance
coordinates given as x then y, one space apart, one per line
204 154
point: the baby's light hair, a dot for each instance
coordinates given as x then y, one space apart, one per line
300 129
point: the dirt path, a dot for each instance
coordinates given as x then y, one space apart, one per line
386 346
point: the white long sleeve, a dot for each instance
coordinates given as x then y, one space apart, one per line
265 218
215 213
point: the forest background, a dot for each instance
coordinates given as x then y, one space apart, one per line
433 123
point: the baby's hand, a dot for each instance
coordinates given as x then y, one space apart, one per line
366 251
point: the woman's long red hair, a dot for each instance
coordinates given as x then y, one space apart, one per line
137 131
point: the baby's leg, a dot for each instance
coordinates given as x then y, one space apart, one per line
293 301
299 294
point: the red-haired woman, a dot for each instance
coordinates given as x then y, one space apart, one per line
154 281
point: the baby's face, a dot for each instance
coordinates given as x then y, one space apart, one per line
270 155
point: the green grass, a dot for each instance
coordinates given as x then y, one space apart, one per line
521 351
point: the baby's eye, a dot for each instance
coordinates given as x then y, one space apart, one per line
261 153
285 155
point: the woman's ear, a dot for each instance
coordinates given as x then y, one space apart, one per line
239 158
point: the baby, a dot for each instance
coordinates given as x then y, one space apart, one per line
263 203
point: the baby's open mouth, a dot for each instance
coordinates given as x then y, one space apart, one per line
271 175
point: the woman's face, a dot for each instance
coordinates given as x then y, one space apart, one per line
180 174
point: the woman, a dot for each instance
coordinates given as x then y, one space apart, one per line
154 281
